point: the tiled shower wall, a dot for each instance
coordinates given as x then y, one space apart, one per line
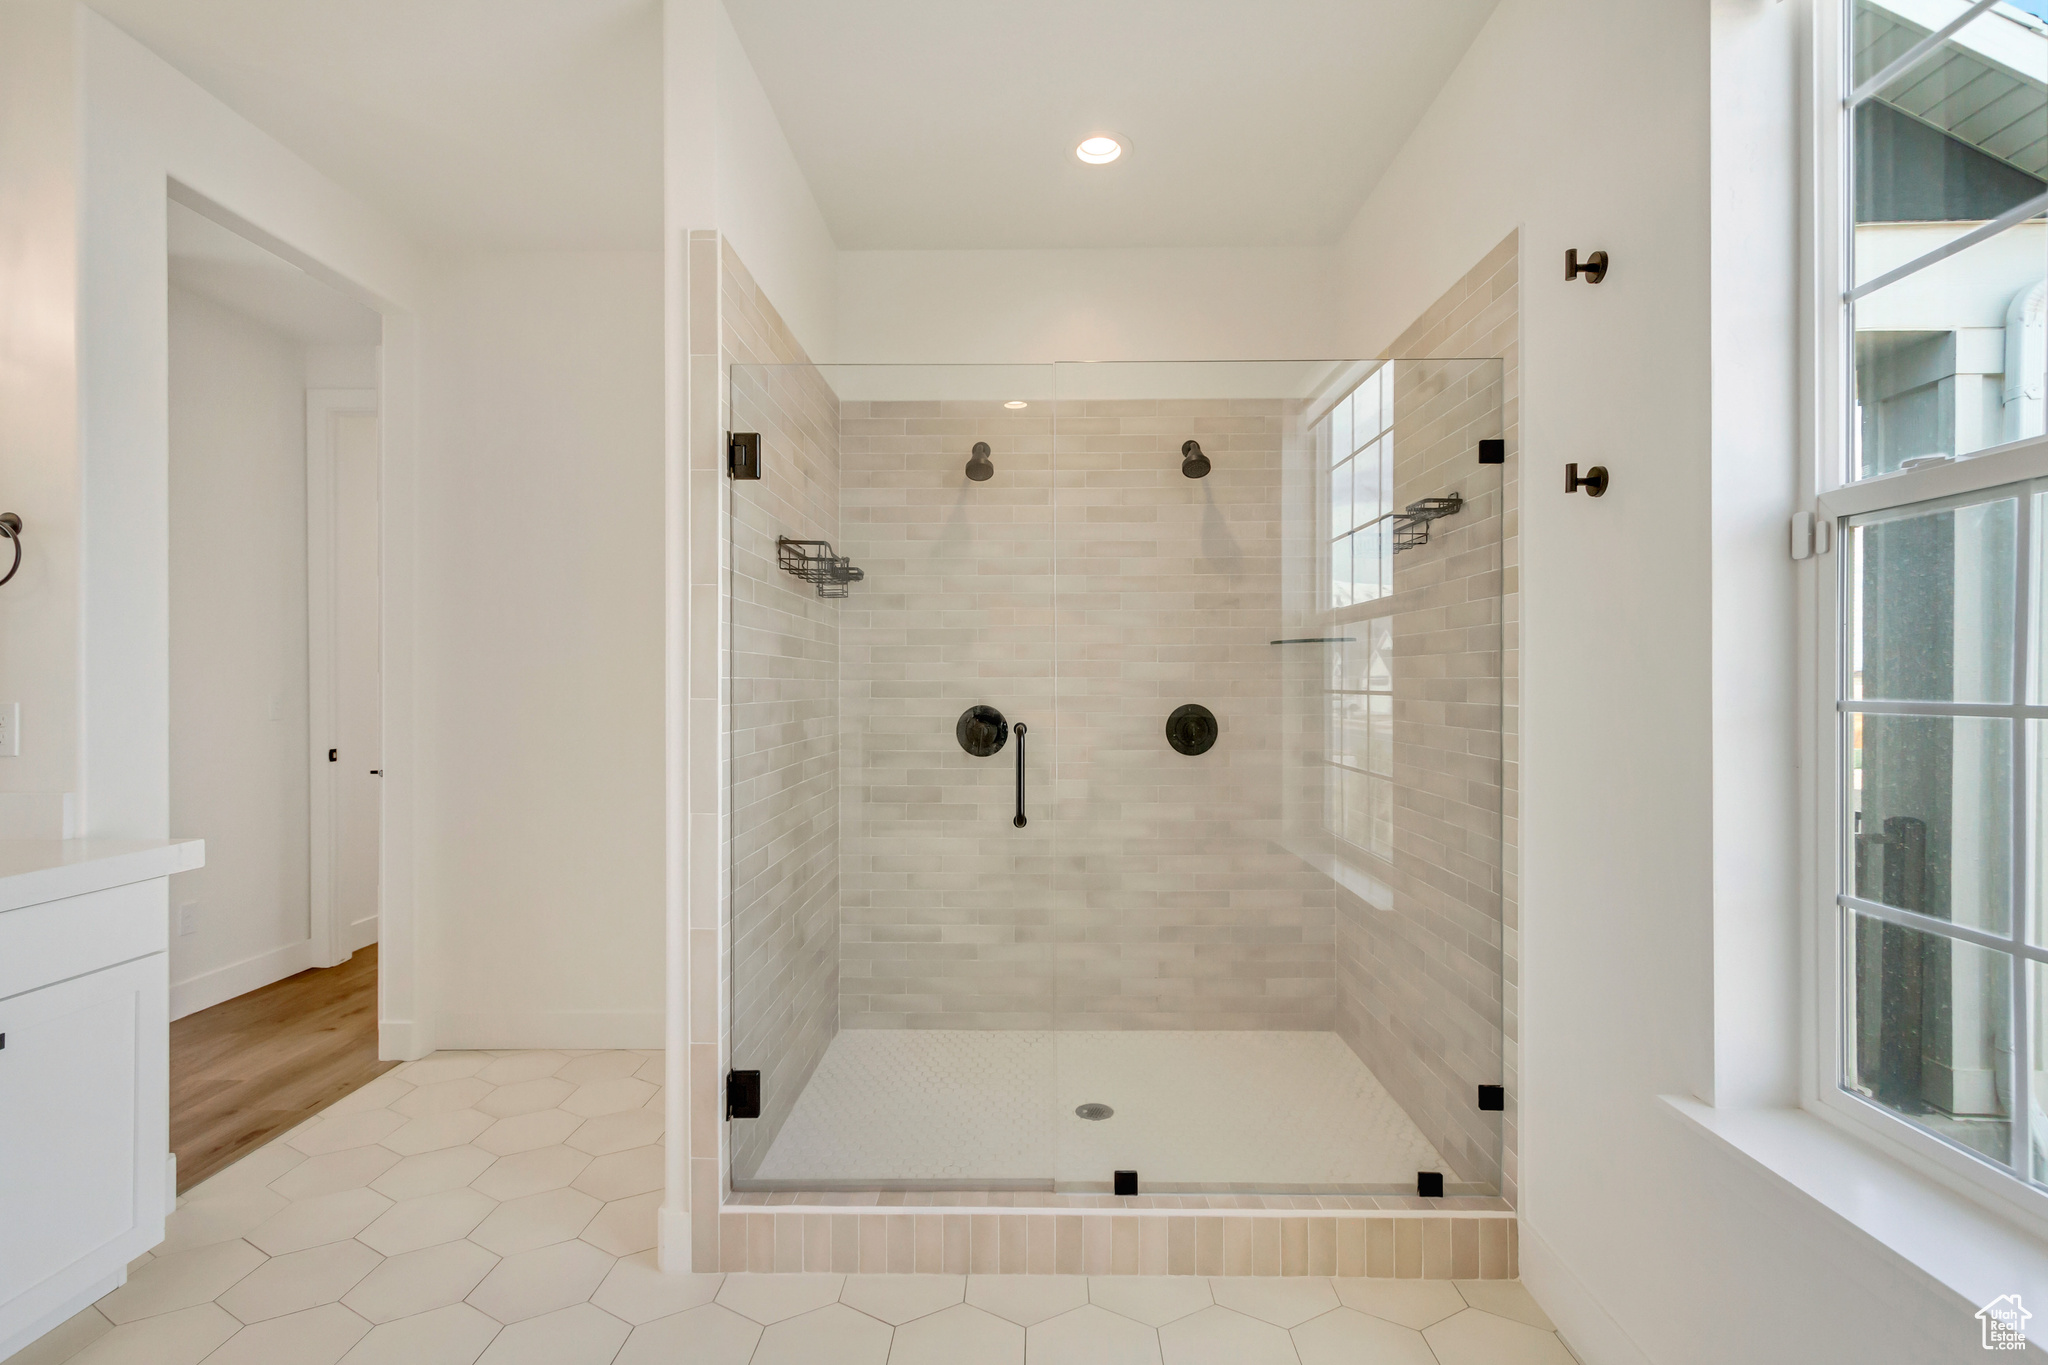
783 717
1177 906
1427 987
1148 889
945 918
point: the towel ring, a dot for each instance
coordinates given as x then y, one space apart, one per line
10 526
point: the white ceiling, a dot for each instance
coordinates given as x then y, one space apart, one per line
918 123
505 123
951 123
234 272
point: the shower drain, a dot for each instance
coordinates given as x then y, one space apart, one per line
1094 1111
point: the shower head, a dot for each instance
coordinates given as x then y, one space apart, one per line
1193 463
979 466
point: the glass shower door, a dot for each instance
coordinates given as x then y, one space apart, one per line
1278 917
890 664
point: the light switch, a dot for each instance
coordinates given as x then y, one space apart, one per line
10 729
188 918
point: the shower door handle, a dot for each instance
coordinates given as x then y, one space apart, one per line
1018 731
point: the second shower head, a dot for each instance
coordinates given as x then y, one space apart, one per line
979 467
1193 463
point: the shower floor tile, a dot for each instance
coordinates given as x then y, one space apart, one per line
1193 1110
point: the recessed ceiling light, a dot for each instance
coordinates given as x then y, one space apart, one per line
1016 403
1100 150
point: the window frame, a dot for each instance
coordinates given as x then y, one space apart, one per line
1833 497
1337 616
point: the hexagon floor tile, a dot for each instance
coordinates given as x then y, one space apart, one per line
518 1222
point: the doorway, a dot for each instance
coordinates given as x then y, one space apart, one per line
275 724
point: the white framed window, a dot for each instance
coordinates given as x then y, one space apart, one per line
1930 485
1354 440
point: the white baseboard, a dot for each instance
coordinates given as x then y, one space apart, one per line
403 1040
551 1028
361 934
239 978
672 1240
1582 1320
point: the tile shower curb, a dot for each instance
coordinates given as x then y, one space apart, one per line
1473 1244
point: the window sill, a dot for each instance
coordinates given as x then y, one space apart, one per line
1343 871
1961 1245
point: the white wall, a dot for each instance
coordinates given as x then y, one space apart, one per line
1226 303
39 636
765 205
1586 123
238 650
95 130
540 650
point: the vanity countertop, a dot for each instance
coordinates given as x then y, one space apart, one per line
33 871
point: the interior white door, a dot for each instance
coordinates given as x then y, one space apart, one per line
345 667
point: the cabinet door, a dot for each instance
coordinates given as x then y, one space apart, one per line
70 1130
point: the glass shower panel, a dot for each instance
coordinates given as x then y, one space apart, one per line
890 663
1278 901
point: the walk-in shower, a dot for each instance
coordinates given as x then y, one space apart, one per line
1137 808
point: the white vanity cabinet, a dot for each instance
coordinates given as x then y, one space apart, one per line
85 1178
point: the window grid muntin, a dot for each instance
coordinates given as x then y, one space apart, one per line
1848 456
1377 776
1378 440
2019 1153
1380 522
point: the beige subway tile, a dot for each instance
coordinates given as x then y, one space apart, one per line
1181 1239
1436 1248
1010 1244
1210 1238
930 1235
1041 1244
1237 1246
788 1241
732 1241
1464 1248
1265 1245
1408 1248
1097 1243
1293 1246
1381 1259
1154 1244
1123 1245
1350 1235
985 1248
874 1243
1322 1246
957 1258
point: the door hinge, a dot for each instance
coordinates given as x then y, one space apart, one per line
1812 535
743 1094
743 454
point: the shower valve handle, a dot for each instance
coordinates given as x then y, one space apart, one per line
1018 730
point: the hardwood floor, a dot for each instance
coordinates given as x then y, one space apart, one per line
262 1063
